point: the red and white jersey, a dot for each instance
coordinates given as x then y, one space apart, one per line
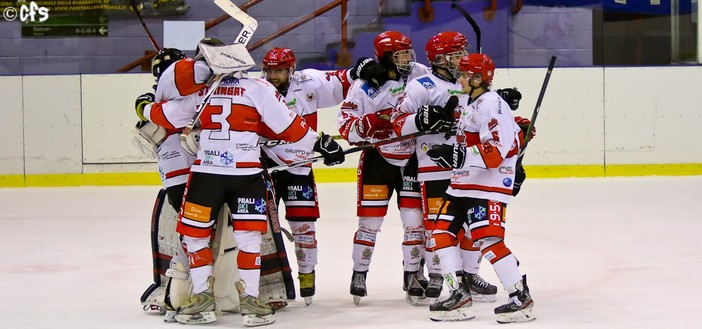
237 114
364 99
309 90
487 128
181 79
427 89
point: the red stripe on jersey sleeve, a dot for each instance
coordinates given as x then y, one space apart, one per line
158 117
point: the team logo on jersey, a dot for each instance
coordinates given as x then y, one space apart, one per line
507 182
226 158
304 78
427 83
161 172
349 106
260 206
311 97
455 92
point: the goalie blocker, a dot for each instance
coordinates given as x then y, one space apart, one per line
172 287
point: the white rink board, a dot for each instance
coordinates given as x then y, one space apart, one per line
52 124
652 115
70 123
109 116
12 126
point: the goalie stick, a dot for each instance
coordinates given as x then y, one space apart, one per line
249 27
537 108
143 24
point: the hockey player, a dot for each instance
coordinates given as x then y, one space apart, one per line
174 166
425 106
364 117
228 171
305 91
482 161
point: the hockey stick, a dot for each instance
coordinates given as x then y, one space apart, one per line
472 23
248 29
537 108
356 149
143 24
276 142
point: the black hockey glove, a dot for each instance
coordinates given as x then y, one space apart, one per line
512 96
436 118
519 177
448 156
370 71
142 101
331 150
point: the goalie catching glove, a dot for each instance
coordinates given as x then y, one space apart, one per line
331 150
436 118
448 156
141 102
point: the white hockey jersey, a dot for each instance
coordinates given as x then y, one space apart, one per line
364 99
181 79
239 111
427 89
309 90
487 128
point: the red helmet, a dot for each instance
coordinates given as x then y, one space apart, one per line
445 43
390 41
279 58
478 64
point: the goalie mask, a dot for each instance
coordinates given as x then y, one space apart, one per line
446 49
277 61
395 49
164 59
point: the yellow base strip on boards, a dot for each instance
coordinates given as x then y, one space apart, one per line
343 175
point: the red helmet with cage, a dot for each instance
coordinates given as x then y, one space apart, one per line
390 41
478 64
445 43
279 58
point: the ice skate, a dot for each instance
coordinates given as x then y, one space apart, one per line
199 310
455 307
358 286
413 288
481 290
307 286
436 284
254 312
519 305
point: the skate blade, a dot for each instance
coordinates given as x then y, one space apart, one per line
483 298
170 316
199 318
461 314
308 301
524 315
357 300
253 320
